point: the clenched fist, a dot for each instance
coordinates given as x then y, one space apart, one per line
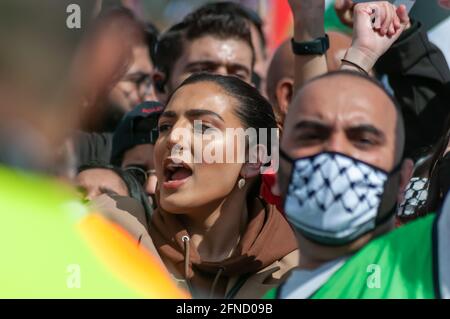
376 26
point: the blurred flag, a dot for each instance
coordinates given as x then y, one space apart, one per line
279 23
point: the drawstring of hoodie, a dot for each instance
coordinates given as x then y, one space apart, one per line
187 255
186 245
216 280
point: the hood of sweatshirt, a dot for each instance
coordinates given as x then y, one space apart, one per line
266 239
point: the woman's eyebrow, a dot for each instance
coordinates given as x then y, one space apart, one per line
201 112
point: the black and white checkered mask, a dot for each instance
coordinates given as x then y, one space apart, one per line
333 199
416 194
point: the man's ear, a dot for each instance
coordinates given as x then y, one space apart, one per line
406 173
283 93
159 80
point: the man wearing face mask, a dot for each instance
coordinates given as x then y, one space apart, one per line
341 174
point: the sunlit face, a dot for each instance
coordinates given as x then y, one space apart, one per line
188 186
97 181
214 55
340 114
135 86
142 156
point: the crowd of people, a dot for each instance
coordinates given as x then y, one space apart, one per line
191 162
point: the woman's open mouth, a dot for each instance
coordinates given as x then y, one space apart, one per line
175 174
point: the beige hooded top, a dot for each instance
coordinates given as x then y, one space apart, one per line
266 251
263 258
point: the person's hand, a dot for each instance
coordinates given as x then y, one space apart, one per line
344 11
377 25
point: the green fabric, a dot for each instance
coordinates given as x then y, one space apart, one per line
271 294
40 248
332 22
404 260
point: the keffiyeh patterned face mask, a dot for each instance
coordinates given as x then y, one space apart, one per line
416 194
333 199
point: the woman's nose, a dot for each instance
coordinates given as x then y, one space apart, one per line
179 138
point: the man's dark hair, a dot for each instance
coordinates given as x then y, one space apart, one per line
237 9
151 33
199 23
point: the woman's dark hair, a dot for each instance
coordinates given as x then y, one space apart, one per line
134 187
253 110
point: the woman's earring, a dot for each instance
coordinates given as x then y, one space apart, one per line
241 183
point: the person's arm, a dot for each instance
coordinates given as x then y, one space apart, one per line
308 25
420 79
376 26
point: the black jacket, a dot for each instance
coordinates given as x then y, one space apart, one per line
420 78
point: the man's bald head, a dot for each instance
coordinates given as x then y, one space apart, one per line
280 80
281 66
351 114
280 74
359 107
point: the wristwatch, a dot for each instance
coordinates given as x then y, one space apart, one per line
318 46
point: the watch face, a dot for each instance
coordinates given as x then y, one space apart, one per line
317 46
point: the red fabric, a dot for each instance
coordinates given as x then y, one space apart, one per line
268 181
280 22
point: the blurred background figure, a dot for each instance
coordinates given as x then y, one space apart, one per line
40 108
280 74
136 85
256 25
125 46
94 180
206 40
129 81
430 183
133 144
